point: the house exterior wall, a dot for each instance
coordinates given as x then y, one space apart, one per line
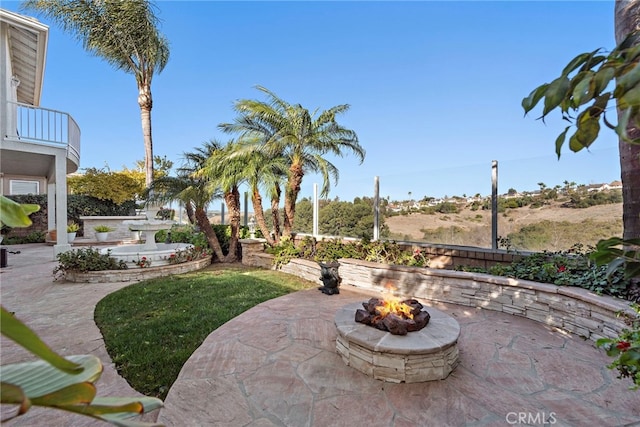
5 183
28 152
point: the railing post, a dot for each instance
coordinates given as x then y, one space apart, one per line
494 204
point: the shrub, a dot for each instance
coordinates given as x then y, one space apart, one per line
85 259
33 237
330 250
565 268
102 228
626 350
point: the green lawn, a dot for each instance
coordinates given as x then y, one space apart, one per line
151 328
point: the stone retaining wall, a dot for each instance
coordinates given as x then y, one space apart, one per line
571 309
136 274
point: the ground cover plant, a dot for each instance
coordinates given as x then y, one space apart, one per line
151 328
574 267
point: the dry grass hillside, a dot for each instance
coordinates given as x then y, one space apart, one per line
550 227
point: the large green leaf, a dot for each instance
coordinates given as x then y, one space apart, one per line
627 81
585 88
560 141
587 132
74 394
555 93
631 98
14 329
14 214
603 77
576 62
39 378
534 97
120 410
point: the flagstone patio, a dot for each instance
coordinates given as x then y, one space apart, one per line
277 365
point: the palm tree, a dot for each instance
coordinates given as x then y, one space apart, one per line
194 190
258 171
301 138
627 20
125 34
227 172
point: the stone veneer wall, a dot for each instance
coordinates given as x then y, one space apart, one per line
120 230
136 274
571 309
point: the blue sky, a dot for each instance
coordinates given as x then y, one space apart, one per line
434 87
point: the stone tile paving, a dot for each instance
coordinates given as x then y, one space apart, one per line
276 365
62 314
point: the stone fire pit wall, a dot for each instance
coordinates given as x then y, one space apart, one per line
572 309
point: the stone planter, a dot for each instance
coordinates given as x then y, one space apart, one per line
71 237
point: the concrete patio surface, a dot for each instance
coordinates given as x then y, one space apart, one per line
276 365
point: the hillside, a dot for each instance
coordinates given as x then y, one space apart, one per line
550 227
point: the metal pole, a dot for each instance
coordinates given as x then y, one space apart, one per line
316 207
221 213
246 210
494 204
376 208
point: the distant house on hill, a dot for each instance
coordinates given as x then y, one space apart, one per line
615 185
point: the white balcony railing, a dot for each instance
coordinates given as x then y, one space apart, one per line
42 125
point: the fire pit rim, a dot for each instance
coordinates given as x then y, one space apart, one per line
441 333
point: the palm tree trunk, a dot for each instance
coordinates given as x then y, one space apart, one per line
146 103
188 207
275 213
232 200
291 195
258 212
627 19
207 229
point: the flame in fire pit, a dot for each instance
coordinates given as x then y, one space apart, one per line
396 317
396 307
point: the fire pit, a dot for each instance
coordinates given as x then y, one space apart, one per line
397 317
426 354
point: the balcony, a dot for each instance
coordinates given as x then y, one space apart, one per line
33 135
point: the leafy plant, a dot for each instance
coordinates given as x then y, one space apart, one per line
626 349
333 249
72 227
102 228
86 259
190 254
143 262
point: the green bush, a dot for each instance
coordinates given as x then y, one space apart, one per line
84 260
329 250
33 237
565 268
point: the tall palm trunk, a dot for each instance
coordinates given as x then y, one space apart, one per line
188 207
258 212
275 213
205 226
232 200
627 19
146 103
291 195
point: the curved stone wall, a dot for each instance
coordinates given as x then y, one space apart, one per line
136 274
572 309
